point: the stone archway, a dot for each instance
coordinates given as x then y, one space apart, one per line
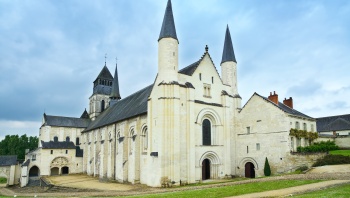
249 170
34 171
65 170
205 169
59 165
55 171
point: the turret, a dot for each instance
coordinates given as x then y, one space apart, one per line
115 94
229 64
168 48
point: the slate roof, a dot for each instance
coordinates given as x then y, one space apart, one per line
115 94
228 54
26 163
102 89
85 115
168 27
105 74
8 160
65 121
131 106
283 107
57 145
189 70
333 123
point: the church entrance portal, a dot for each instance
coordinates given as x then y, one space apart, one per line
34 171
54 171
205 169
249 170
65 170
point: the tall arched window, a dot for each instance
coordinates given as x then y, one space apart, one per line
144 139
102 105
297 125
206 132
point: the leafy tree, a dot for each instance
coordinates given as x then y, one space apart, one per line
15 145
267 169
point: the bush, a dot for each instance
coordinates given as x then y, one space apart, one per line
267 169
332 160
318 147
302 168
3 180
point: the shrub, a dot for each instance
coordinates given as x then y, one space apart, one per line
302 168
3 180
332 160
318 147
267 169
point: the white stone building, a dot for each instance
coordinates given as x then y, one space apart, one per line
185 127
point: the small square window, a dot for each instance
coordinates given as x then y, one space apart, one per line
248 130
258 146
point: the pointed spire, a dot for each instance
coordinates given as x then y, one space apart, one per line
168 26
115 95
228 54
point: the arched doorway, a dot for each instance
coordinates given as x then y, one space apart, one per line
249 170
65 170
34 171
205 169
55 171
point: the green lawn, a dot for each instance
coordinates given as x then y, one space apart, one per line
338 192
235 190
340 152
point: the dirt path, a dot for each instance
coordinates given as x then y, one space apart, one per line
82 185
295 190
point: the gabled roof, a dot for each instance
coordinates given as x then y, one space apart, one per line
57 145
131 106
189 70
168 29
8 160
228 54
104 74
282 107
65 121
26 163
333 123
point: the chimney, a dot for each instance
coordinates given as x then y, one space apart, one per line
288 102
274 97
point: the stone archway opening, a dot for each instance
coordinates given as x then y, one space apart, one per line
249 170
55 171
34 171
205 169
65 170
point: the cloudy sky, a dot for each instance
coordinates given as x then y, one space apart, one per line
51 51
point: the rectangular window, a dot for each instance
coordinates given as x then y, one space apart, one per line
33 157
66 151
51 152
206 90
312 128
305 127
292 143
258 146
212 80
248 130
200 76
247 149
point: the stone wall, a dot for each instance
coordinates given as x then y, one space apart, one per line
341 141
296 160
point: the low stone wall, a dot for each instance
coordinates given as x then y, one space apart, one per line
297 160
342 141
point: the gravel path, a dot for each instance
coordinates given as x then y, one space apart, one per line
141 189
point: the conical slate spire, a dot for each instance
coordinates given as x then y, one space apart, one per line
228 54
115 95
168 26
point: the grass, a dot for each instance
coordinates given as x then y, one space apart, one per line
340 152
338 191
240 189
3 180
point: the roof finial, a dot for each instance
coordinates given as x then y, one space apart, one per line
206 48
105 59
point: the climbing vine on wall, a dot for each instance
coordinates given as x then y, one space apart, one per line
303 134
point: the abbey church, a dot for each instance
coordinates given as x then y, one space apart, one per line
188 126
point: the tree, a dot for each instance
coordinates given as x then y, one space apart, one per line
267 169
15 145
